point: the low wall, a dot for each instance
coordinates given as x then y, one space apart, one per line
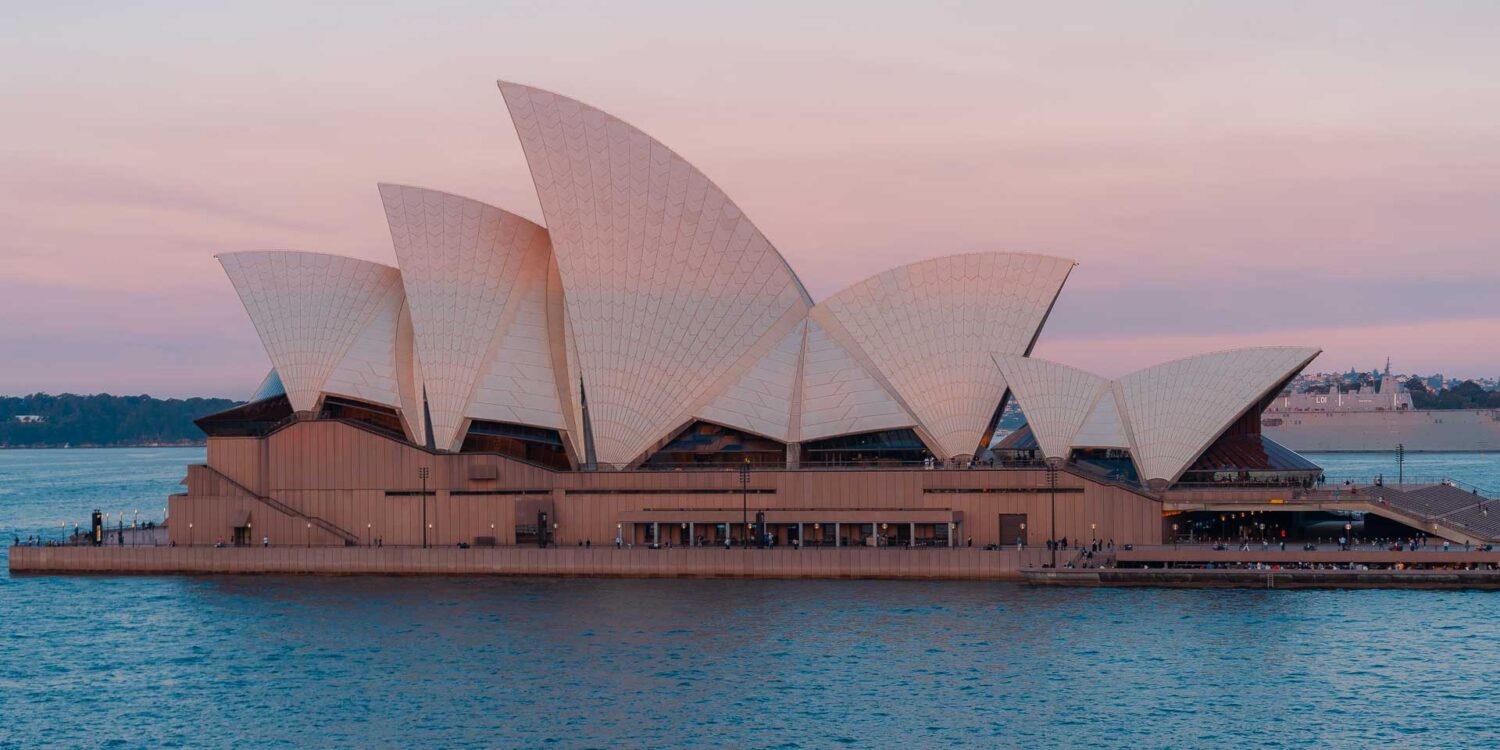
1329 554
1268 579
939 564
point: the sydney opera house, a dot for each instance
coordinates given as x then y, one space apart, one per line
647 368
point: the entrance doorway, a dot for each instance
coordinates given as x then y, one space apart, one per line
1013 528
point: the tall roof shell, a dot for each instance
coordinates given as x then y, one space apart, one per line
840 396
475 279
309 309
1056 399
1175 410
669 285
368 370
930 329
761 399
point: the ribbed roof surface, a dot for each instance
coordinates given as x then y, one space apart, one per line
309 308
475 279
668 284
931 327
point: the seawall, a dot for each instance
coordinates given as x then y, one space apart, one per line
1199 578
602 562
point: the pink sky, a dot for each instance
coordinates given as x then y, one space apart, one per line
1225 174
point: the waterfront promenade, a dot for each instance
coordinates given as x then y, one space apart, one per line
602 562
937 563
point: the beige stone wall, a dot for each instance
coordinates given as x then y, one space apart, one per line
346 476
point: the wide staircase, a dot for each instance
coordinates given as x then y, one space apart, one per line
1442 507
214 475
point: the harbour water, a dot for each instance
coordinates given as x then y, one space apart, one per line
219 661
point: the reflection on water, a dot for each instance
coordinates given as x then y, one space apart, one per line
739 663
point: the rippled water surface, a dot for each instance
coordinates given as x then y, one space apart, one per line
219 661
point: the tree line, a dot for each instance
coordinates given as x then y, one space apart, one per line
103 420
1465 395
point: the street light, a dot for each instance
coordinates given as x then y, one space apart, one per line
1348 535
369 535
308 536
422 473
1020 543
1174 537
1052 486
190 533
745 496
1400 463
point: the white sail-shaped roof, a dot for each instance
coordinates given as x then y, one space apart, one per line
309 309
368 370
1103 428
761 399
475 279
930 328
1056 399
1175 410
668 284
839 394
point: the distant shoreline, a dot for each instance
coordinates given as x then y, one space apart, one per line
199 444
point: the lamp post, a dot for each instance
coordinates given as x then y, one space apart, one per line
190 533
1400 464
307 537
1174 537
1348 535
745 495
1093 534
369 535
422 473
1052 487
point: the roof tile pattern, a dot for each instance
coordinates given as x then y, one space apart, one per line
519 385
309 308
668 283
1176 410
1055 399
1103 428
462 265
930 328
368 371
840 396
761 401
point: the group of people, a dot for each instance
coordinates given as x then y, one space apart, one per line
1096 545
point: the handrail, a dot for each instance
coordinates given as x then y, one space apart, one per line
1385 480
324 524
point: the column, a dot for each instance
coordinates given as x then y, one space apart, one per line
911 539
800 540
656 533
837 542
692 534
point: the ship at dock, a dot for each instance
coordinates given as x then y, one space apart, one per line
1377 418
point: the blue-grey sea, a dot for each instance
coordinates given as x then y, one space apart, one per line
475 662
